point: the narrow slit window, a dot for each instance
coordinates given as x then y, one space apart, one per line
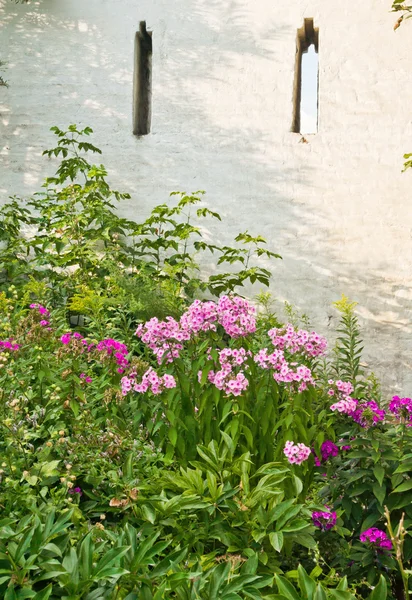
306 86
142 81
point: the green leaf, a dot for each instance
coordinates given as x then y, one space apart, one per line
370 521
379 492
276 539
149 513
295 525
298 484
404 487
109 559
307 584
381 591
286 588
173 435
379 473
320 593
305 540
44 594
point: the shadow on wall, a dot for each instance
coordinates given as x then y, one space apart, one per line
69 62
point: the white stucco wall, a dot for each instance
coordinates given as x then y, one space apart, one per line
338 208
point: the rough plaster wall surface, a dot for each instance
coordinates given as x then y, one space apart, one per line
337 208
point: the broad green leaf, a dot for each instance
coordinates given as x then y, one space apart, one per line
307 584
320 593
404 487
286 588
381 590
109 559
44 594
379 473
379 492
276 539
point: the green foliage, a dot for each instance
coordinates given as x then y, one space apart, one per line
405 9
77 239
186 493
348 347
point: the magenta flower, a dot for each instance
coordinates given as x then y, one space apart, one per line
65 338
324 519
376 537
402 408
41 309
9 345
368 414
76 490
328 449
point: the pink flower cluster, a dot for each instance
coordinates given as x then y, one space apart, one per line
118 350
85 378
324 519
225 379
164 338
150 381
9 345
376 537
342 390
66 338
287 338
402 408
296 453
107 347
284 372
41 309
236 316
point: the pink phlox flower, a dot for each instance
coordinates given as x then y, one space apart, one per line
402 408
328 449
40 309
86 378
151 381
118 350
287 338
9 345
368 413
377 537
284 372
296 453
346 405
66 338
229 378
324 519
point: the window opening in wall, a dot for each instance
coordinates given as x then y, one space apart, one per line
142 81
306 86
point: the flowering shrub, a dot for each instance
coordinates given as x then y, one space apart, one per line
220 377
193 453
